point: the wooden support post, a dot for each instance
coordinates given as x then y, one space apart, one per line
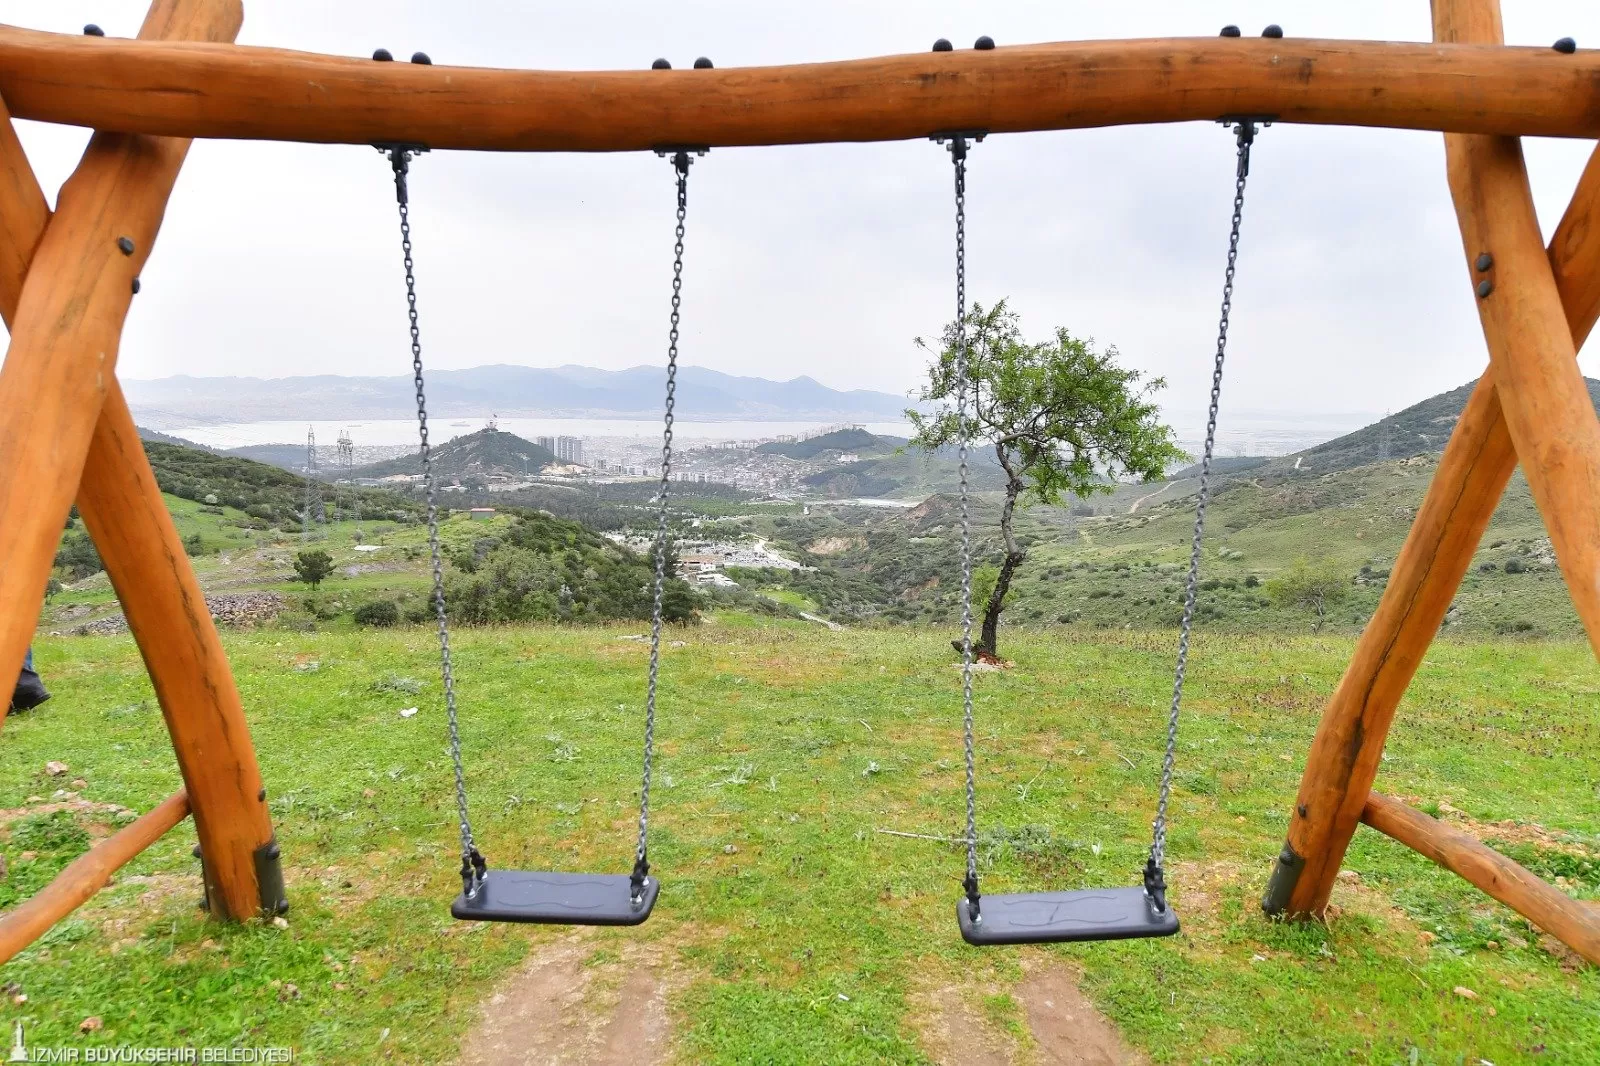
128 519
1477 463
123 508
66 330
23 217
1531 351
86 875
1573 923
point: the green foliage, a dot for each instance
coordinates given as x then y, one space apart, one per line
313 566
378 613
984 578
269 494
194 544
1070 418
549 569
77 556
1317 588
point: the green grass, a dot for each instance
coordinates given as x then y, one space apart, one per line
782 749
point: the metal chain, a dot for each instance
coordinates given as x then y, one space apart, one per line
958 155
473 866
641 864
1245 132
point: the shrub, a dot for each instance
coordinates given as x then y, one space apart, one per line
77 555
1515 566
378 613
1251 581
313 566
193 544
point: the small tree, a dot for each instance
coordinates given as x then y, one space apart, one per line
1064 419
1316 588
313 566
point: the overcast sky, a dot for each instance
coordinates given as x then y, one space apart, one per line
1352 295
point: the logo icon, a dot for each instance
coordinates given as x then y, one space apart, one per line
19 1049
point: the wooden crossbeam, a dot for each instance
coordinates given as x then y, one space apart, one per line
274 94
1573 923
1473 472
143 553
86 875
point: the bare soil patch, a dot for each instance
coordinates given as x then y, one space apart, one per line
1062 1027
570 1004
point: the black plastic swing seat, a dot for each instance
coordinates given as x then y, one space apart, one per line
1055 917
557 899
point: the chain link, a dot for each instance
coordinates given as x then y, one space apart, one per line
473 866
641 864
958 156
1154 876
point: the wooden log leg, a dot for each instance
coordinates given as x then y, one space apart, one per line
1477 463
124 511
85 876
1573 922
144 556
65 333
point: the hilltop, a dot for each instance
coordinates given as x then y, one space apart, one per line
486 453
855 440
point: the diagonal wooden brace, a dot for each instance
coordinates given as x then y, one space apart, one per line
124 511
1476 466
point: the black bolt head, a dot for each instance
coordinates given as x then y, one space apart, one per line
282 907
261 795
136 286
1485 287
92 30
942 45
125 245
1274 31
383 55
702 63
421 58
1230 31
195 851
274 851
661 64
984 43
1566 46
1483 262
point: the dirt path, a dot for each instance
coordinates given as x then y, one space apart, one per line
573 1003
578 1002
1060 1026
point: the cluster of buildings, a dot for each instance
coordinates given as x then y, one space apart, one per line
567 449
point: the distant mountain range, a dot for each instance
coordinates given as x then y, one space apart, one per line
566 391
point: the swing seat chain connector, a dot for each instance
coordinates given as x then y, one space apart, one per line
958 141
681 154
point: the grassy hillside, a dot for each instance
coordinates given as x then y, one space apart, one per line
268 495
1124 563
1421 428
790 929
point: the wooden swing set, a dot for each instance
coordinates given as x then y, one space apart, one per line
67 279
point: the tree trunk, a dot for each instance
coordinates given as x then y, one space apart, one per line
989 642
